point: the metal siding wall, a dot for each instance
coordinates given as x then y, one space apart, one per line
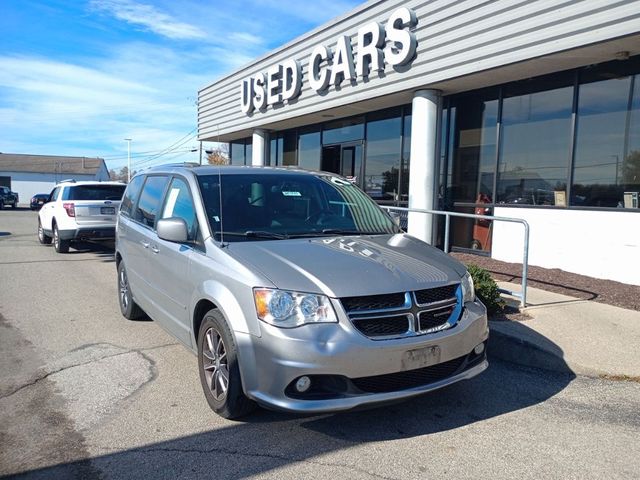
455 38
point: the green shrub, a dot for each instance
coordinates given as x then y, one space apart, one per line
486 289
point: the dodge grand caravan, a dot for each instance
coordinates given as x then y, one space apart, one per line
294 289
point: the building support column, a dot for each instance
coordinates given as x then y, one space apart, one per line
423 162
259 152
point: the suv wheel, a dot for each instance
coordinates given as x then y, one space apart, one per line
61 246
43 238
218 366
129 309
1 204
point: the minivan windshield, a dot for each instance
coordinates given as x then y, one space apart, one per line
272 206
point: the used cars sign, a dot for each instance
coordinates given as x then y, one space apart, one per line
378 45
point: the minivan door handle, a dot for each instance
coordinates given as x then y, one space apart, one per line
155 249
144 244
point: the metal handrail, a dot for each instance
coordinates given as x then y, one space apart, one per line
525 255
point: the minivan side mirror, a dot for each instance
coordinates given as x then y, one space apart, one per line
173 229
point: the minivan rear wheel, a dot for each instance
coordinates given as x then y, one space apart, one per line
129 309
218 367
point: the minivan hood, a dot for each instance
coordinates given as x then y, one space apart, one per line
347 266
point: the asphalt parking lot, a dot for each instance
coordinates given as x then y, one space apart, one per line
85 393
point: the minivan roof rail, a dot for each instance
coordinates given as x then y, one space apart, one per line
68 180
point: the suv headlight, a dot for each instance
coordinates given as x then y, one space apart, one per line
468 291
287 309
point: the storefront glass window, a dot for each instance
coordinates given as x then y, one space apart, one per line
248 153
474 148
406 153
535 147
607 155
343 130
237 152
289 148
309 148
383 156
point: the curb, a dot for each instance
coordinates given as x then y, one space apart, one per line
514 349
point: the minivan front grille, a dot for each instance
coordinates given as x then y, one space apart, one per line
436 319
421 312
439 294
373 302
393 382
383 326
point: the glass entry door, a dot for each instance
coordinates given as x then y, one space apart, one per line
344 159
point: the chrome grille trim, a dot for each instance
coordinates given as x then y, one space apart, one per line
412 310
405 306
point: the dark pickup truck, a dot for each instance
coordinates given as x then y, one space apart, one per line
7 197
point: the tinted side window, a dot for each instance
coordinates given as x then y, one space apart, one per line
149 202
54 194
131 195
179 204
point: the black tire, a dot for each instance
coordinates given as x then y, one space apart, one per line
43 238
217 355
1 204
129 309
61 246
14 205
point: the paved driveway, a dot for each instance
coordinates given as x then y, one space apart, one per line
85 393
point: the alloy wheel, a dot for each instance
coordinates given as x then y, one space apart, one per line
214 361
124 289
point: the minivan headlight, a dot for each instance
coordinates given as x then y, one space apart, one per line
468 290
288 309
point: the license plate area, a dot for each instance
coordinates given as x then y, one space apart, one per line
107 210
421 357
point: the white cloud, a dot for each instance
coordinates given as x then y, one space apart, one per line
150 18
245 38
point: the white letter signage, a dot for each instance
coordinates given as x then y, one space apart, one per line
394 44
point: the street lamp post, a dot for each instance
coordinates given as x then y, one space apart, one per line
128 140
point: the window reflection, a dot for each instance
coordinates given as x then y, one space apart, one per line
474 148
383 162
343 130
535 146
309 148
607 157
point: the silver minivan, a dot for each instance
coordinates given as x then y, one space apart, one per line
294 289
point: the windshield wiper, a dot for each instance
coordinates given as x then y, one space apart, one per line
333 231
256 234
265 234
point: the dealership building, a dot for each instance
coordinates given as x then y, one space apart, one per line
524 109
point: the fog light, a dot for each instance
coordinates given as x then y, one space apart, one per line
479 349
303 384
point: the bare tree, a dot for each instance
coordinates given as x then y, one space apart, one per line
219 156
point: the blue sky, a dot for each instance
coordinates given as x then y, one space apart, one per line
78 77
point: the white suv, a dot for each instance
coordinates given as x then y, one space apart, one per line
79 211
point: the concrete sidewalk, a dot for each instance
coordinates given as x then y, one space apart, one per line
568 334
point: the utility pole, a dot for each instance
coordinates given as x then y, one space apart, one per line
200 152
128 140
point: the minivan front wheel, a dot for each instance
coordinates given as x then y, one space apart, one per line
129 309
218 366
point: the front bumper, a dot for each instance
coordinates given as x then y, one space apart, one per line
89 233
270 363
